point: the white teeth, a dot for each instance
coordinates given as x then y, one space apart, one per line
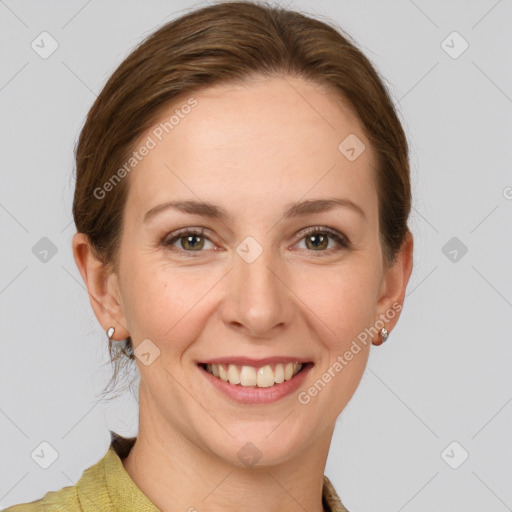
222 373
288 371
233 374
279 374
263 377
247 376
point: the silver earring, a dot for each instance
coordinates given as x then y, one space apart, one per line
110 332
384 334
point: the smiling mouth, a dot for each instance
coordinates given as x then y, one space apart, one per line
250 376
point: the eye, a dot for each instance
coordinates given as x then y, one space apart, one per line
191 240
317 239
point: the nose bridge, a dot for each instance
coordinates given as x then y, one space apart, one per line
258 298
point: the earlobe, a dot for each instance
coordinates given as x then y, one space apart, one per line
101 286
394 284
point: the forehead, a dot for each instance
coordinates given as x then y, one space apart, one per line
275 138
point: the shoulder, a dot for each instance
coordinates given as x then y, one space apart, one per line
53 501
89 493
101 488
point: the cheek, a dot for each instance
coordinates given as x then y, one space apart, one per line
163 304
343 299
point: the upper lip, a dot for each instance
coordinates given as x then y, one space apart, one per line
247 361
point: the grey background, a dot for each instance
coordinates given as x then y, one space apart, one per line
444 374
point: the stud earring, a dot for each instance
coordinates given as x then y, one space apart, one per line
110 332
383 335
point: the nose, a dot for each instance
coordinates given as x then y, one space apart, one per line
258 300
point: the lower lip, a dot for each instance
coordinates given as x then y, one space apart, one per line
255 395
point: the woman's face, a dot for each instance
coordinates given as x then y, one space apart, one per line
254 284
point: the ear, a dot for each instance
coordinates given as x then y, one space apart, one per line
394 283
102 285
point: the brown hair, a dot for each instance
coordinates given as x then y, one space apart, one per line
230 42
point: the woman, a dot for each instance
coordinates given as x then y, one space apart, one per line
241 207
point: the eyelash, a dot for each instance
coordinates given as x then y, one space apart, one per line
343 241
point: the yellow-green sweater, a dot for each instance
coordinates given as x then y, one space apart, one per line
107 487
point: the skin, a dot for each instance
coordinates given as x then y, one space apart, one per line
252 150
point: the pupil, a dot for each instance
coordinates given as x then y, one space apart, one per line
317 236
191 237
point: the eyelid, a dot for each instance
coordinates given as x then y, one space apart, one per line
320 229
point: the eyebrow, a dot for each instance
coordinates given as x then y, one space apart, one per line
292 210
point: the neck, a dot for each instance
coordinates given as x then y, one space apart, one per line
177 474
